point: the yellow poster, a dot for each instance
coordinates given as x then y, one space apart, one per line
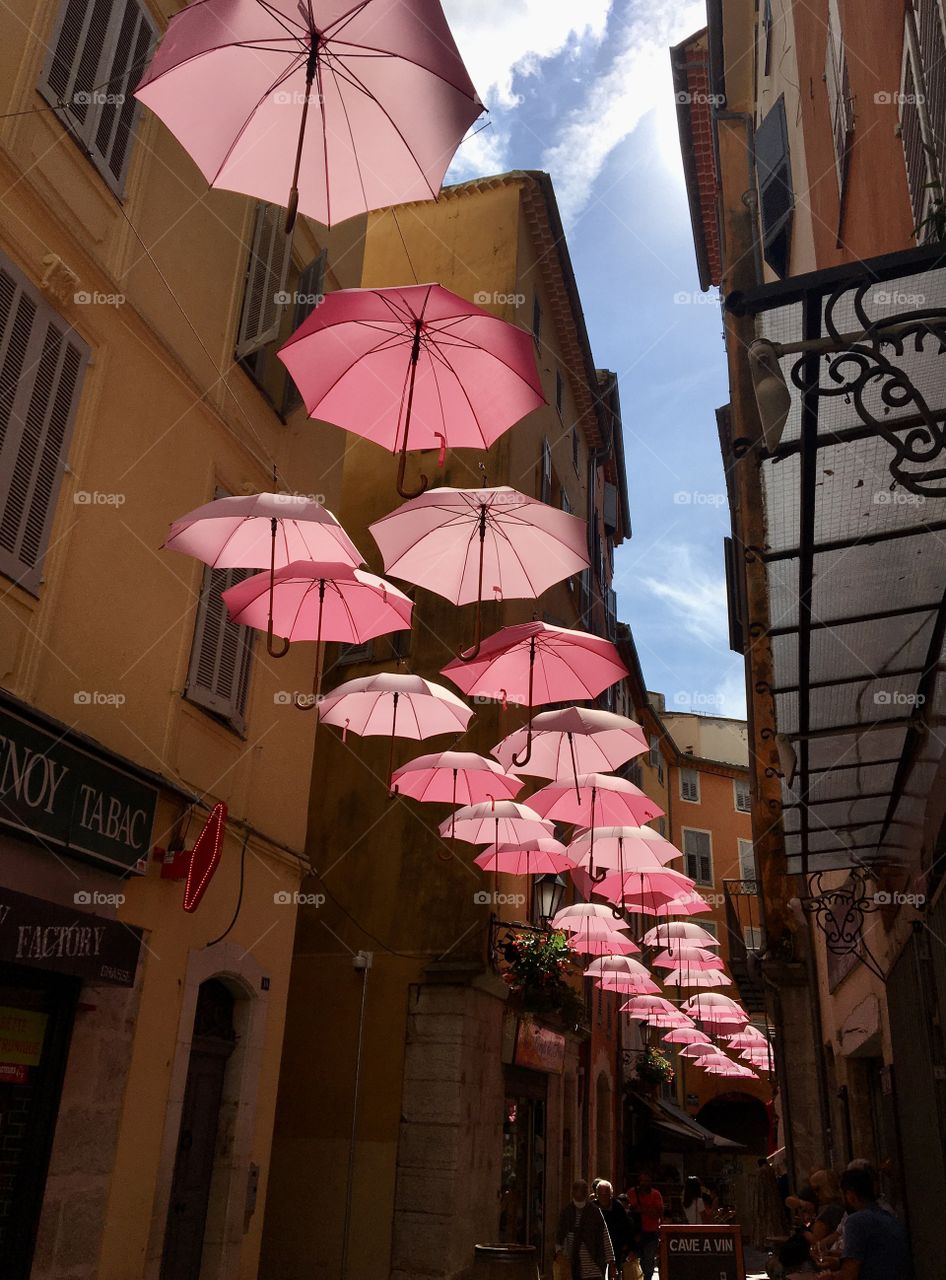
21 1035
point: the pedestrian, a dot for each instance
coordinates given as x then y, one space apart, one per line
616 1220
875 1245
649 1203
696 1207
829 1207
582 1236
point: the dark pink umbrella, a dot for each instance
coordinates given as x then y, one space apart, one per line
413 367
454 776
576 740
542 856
331 106
496 822
595 799
535 662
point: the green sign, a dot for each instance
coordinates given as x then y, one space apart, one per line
63 795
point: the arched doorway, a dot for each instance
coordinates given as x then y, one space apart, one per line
603 1128
740 1117
212 1044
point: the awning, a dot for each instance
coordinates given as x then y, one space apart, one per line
681 1129
855 510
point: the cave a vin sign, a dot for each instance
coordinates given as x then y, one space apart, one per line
701 1253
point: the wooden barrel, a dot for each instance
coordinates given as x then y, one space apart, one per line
505 1262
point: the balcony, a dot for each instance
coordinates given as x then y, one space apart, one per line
746 941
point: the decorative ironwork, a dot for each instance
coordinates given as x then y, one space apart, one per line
860 370
502 932
841 912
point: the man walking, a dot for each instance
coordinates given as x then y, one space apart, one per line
583 1236
617 1222
646 1200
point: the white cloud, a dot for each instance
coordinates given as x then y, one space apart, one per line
637 82
695 596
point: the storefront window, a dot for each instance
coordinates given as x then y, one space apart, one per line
522 1202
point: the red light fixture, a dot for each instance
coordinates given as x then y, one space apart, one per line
204 857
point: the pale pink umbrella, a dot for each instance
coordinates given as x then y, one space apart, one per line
749 1038
596 799
452 776
644 891
644 1007
580 911
260 531
621 973
496 822
716 1009
732 1069
687 1035
333 107
763 1058
589 943
468 545
695 958
573 741
698 1049
670 1020
413 367
621 849
685 904
395 704
679 931
319 601
543 856
686 977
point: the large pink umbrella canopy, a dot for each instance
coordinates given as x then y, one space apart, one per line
596 799
496 822
535 662
259 531
543 856
699 1049
621 973
592 942
676 932
685 904
572 916
714 1009
687 1035
454 777
333 107
319 601
413 367
645 1007
574 741
395 704
696 959
686 977
645 890
625 849
750 1038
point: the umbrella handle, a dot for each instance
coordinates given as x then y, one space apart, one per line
401 467
317 686
402 461
273 653
527 755
478 631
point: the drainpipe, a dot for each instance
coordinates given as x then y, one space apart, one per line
362 963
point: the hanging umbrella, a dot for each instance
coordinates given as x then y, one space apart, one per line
462 543
716 1009
645 1007
453 776
697 1049
396 704
496 822
621 849
589 942
621 973
750 1038
685 904
596 799
572 917
759 1058
319 601
260 531
415 366
573 741
646 890
539 857
535 662
687 977
332 107
696 959
687 1035
733 1069
679 931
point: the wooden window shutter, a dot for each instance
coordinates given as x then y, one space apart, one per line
932 50
309 291
98 55
689 784
266 274
545 478
218 679
747 868
776 197
42 364
697 847
838 83
911 135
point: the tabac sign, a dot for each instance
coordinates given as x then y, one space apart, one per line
701 1253
44 935
66 796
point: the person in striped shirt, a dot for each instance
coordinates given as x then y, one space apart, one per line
583 1237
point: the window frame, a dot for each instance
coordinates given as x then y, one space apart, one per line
230 712
700 831
694 773
741 855
744 783
778 174
537 321
545 471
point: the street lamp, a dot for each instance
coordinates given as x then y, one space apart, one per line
547 894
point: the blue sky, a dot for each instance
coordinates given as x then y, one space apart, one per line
584 92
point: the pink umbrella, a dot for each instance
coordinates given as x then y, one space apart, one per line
645 890
733 1069
697 1049
750 1038
461 543
319 601
686 904
590 943
415 364
687 1035
537 662
453 776
262 530
524 857
574 741
578 912
679 931
596 799
763 1058
716 1009
645 1007
621 849
371 706
696 959
496 822
687 977
390 100
621 973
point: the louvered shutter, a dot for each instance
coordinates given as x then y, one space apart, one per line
545 476
746 860
308 292
98 55
932 50
743 795
42 364
264 294
698 851
689 784
776 198
911 134
220 654
837 81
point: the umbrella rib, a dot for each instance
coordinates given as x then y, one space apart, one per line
368 48
466 396
246 123
283 19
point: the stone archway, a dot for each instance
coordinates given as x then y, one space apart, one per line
739 1117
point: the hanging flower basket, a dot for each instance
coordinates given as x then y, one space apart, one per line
536 968
654 1069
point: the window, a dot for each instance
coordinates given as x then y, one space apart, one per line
698 855
776 199
655 758
923 110
42 365
545 475
536 320
743 794
576 449
840 103
559 392
752 936
218 679
309 292
662 827
690 785
98 53
266 274
767 28
710 926
564 501
632 772
747 869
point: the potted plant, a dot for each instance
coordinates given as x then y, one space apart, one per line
653 1068
537 969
